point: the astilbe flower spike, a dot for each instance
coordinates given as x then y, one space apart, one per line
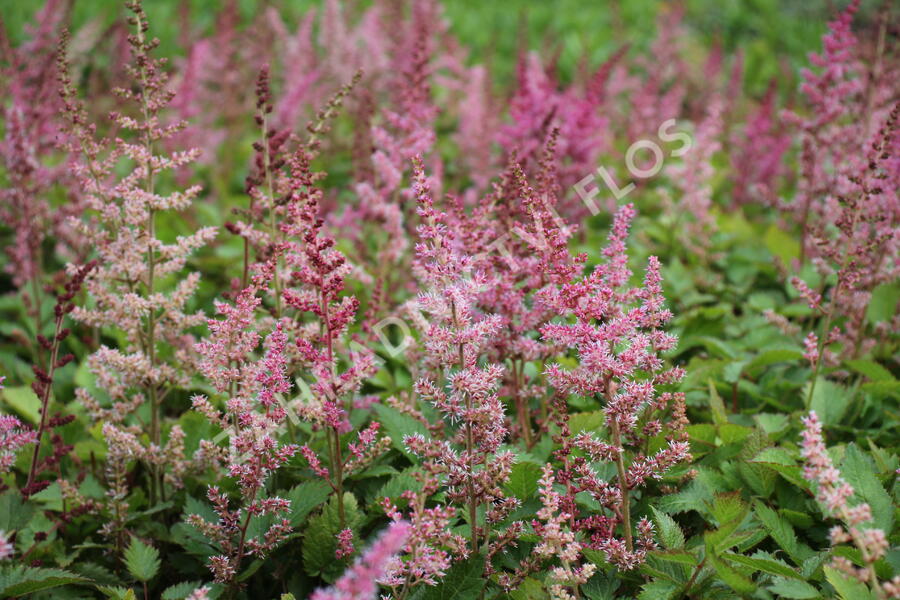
43 384
360 581
124 287
847 200
14 436
558 541
32 136
618 337
253 419
317 280
470 464
834 494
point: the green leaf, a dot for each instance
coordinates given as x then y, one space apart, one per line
141 560
766 565
523 480
23 401
179 591
782 532
670 533
719 416
781 244
320 543
883 303
658 590
771 357
871 369
463 581
305 497
859 471
729 508
531 589
19 580
793 589
15 513
590 422
829 400
737 581
848 588
398 426
680 557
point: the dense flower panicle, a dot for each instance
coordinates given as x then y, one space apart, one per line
253 419
835 493
32 134
693 177
359 582
558 541
123 289
846 202
431 546
618 337
14 436
508 342
758 155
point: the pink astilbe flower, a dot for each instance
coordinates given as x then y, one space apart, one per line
431 546
834 493
124 288
317 280
618 337
253 419
14 436
470 463
847 203
758 150
557 541
7 549
31 139
693 179
359 582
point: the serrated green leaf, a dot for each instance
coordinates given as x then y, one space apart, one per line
463 581
15 513
848 588
829 400
141 560
658 590
782 532
731 577
320 542
398 426
23 401
793 589
179 591
523 480
670 533
305 497
859 471
19 580
871 369
766 565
